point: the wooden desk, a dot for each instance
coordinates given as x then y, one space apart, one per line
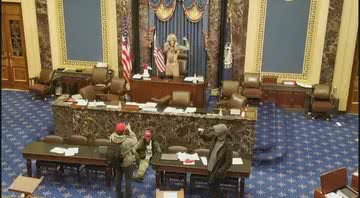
144 90
26 185
355 181
287 96
170 128
88 155
240 171
71 81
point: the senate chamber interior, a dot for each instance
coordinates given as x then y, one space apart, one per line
179 98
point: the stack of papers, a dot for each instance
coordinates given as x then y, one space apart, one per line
237 160
150 104
132 103
190 110
149 109
81 102
173 110
204 160
114 106
235 111
192 78
186 156
76 96
137 76
67 152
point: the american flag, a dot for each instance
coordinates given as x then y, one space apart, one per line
125 51
159 58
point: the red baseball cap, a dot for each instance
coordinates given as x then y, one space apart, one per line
120 128
147 134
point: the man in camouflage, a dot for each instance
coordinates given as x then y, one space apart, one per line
126 139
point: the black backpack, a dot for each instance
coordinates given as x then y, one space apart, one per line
113 155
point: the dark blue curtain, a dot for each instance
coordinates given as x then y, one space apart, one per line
182 27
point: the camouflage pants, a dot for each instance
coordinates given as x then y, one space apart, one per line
143 165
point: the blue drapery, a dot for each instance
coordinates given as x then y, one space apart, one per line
182 27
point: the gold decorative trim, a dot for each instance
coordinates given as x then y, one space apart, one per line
311 27
62 37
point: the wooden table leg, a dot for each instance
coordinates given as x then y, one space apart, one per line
108 175
28 166
242 187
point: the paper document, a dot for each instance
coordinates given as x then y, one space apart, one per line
338 123
58 150
100 104
82 102
149 109
113 106
170 110
190 110
184 156
191 78
137 76
77 96
235 111
74 150
150 104
204 160
166 156
132 103
170 194
237 160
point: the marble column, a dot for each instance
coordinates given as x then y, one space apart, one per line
238 9
213 41
143 28
331 41
43 33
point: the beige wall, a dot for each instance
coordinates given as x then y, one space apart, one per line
345 51
31 35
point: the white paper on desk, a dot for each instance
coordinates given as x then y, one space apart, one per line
77 96
170 194
58 150
149 109
113 106
100 104
92 104
237 160
190 110
184 156
137 76
235 111
170 110
74 150
82 102
150 104
132 103
204 160
69 153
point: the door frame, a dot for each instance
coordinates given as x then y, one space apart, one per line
352 77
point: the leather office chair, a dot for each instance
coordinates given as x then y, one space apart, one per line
99 82
116 92
333 181
88 93
251 87
178 177
177 99
52 139
96 168
78 140
322 101
40 86
231 95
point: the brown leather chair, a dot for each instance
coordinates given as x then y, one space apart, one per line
251 86
178 177
88 93
77 140
99 83
332 181
40 86
177 99
182 59
321 101
231 95
97 168
40 164
116 92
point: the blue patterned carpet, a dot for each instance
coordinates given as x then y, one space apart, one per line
291 152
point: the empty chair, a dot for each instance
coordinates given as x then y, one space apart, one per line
116 92
177 99
96 168
229 88
231 95
178 177
40 86
80 141
99 83
251 87
322 101
52 139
